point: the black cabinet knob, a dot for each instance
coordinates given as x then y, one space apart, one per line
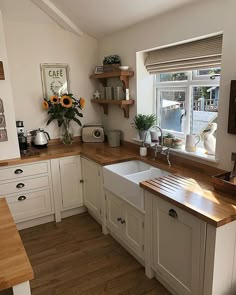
18 171
20 185
21 198
173 213
119 219
122 221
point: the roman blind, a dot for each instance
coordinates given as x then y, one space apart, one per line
204 53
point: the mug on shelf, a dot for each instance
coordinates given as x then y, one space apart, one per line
191 142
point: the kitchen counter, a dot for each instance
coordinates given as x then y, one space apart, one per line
15 268
204 202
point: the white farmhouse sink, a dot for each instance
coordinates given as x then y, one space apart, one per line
129 167
123 180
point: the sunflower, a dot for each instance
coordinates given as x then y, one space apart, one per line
45 105
66 101
54 99
82 102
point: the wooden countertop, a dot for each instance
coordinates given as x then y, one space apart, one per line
214 207
15 267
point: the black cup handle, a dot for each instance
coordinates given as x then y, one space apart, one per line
22 198
20 185
18 171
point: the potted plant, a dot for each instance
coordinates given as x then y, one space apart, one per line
142 123
111 63
168 139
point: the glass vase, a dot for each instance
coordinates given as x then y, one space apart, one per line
67 132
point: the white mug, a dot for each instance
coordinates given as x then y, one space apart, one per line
191 142
143 151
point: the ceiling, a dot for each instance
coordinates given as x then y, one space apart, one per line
98 18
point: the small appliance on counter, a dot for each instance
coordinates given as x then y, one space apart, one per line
41 139
93 133
22 139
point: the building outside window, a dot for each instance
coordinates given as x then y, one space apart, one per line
186 102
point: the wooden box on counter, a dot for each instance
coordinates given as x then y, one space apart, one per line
222 182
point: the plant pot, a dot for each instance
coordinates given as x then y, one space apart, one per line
142 134
167 141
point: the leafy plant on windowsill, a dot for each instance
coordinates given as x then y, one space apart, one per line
144 122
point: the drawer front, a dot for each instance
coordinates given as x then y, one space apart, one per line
23 184
15 172
29 205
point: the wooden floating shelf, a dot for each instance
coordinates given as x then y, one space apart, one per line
124 104
123 75
112 74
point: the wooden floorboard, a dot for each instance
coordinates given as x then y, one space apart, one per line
74 258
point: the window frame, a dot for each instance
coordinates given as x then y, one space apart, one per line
189 84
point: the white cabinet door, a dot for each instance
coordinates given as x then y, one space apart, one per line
91 186
178 242
115 219
126 222
134 229
70 176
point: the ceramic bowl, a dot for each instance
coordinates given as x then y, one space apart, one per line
123 68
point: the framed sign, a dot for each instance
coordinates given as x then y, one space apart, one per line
55 79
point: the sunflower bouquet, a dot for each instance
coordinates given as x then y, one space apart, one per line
64 109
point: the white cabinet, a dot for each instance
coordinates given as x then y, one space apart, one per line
67 185
92 187
126 222
27 189
178 247
71 187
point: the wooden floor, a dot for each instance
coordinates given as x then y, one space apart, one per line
74 257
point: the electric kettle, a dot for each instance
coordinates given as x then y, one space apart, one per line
41 138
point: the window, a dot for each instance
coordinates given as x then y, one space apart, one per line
186 102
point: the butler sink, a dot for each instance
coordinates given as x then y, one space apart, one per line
123 180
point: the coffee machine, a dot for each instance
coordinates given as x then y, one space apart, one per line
22 139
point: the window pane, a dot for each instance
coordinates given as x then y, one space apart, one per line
205 107
173 77
208 72
173 110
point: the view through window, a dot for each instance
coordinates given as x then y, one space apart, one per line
187 102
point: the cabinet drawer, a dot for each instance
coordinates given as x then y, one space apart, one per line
23 184
15 172
29 205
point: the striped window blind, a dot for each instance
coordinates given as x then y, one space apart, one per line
204 53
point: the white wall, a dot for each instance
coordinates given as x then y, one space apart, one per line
8 149
202 18
33 38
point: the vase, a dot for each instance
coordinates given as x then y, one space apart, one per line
142 134
67 132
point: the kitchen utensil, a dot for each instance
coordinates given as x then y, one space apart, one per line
113 138
41 138
191 142
93 133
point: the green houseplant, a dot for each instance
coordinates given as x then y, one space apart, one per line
143 122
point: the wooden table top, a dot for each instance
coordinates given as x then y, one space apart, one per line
15 267
212 206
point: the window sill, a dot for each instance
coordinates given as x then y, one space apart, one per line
199 154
